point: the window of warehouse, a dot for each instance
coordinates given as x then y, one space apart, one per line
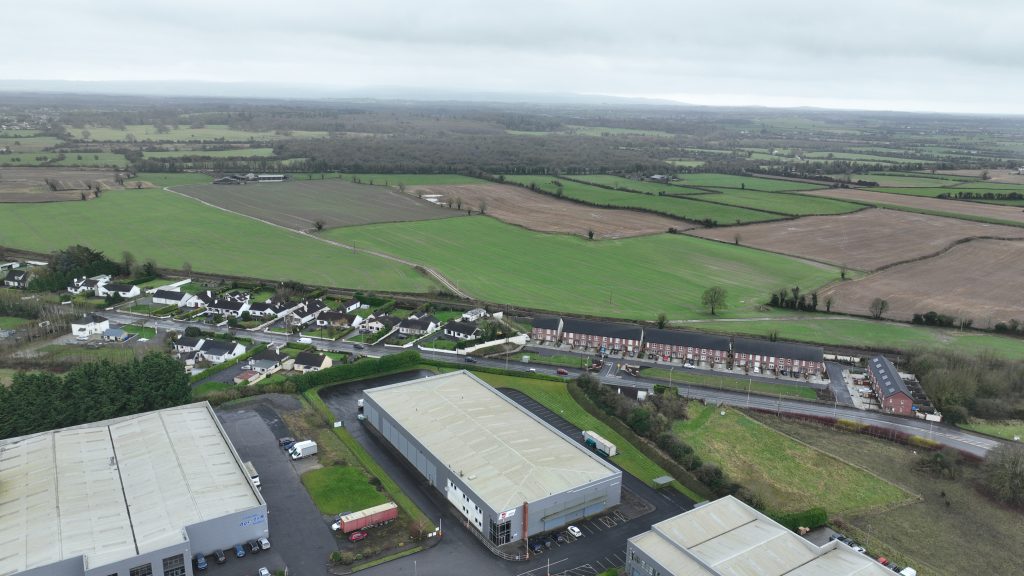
144 570
175 565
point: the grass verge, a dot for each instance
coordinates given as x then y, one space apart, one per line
380 561
335 489
730 383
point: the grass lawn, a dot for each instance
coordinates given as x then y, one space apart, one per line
787 475
74 353
171 230
233 153
446 315
555 396
863 333
206 388
414 179
969 535
731 383
142 331
11 322
337 489
1007 429
669 205
629 278
554 360
751 183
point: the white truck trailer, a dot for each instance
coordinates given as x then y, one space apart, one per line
598 444
303 449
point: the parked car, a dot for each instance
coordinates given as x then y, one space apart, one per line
576 532
560 538
264 571
470 359
219 555
549 542
836 536
536 546
264 543
285 441
358 346
562 372
254 547
200 561
357 536
239 551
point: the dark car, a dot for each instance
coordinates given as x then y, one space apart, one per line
254 547
219 555
285 441
562 372
470 359
560 538
357 536
536 546
200 561
239 551
358 346
835 536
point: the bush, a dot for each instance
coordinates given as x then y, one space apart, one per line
811 518
1003 474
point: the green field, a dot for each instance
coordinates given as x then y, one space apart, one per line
144 132
604 130
872 158
1008 429
10 322
88 159
172 230
731 181
337 489
415 179
630 278
787 475
729 383
792 204
234 153
161 179
860 333
899 181
637 185
30 144
142 331
686 163
678 207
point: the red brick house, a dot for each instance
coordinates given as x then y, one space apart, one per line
602 337
690 347
787 359
546 329
890 388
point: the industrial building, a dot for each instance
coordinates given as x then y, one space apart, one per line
132 496
506 471
729 538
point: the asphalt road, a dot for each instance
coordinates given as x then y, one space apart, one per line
975 444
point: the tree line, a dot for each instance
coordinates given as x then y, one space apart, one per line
963 386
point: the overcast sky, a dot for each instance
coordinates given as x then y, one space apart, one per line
928 55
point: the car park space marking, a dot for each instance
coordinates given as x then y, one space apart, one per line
622 517
545 567
607 521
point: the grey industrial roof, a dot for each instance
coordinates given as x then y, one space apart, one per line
503 453
115 489
605 329
728 538
778 349
887 377
691 339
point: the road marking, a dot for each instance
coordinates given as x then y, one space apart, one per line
607 521
544 567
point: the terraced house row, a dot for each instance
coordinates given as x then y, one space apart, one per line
699 349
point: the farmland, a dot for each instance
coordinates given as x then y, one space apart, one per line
544 213
86 159
1009 430
787 475
172 230
618 278
678 207
864 240
29 184
899 180
413 179
930 534
977 280
212 132
606 131
790 204
230 153
748 182
954 208
637 185
300 204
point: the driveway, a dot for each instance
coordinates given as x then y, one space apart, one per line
297 529
838 383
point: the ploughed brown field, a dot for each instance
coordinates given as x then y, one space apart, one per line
977 209
980 280
865 240
29 184
545 213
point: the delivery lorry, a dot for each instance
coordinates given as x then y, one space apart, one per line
374 516
598 444
253 476
302 449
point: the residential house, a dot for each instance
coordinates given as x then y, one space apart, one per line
335 319
462 330
89 325
122 290
892 391
417 325
217 351
85 285
787 359
350 305
169 297
9 265
16 279
189 359
201 299
602 337
546 329
270 361
689 347
115 335
312 362
269 309
229 308
307 311
474 315
185 344
374 324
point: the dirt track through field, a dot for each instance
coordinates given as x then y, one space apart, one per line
545 213
979 279
865 240
1007 213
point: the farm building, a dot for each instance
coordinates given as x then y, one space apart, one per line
892 391
546 329
691 347
764 356
603 337
728 537
135 495
506 471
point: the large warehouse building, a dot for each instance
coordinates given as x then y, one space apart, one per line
728 538
132 496
509 473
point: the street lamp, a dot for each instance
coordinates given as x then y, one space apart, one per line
670 369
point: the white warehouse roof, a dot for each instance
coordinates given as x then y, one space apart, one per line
502 452
114 489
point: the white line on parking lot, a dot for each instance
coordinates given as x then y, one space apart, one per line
545 567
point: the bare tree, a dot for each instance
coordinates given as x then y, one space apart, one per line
829 301
319 225
878 307
483 206
736 239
